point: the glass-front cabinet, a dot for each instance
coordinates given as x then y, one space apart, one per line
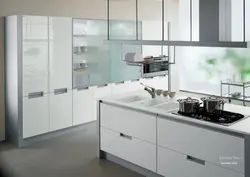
96 63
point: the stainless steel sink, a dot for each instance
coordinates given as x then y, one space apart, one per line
149 103
168 106
131 99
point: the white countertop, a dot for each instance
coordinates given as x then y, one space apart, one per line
241 127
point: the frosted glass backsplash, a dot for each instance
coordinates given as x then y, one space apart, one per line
202 69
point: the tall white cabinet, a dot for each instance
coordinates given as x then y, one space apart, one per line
39 75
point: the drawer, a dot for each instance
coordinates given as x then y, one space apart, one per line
128 148
214 147
173 164
134 123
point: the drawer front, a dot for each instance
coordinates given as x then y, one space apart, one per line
215 147
136 124
173 164
130 149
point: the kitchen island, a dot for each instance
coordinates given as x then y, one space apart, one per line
146 135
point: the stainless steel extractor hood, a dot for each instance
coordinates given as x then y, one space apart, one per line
215 18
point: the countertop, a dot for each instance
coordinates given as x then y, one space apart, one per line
240 128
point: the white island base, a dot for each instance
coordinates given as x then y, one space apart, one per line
154 142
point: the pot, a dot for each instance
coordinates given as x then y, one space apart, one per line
211 104
188 105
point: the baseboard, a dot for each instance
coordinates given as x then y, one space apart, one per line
29 141
130 166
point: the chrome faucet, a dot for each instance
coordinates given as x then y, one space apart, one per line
151 91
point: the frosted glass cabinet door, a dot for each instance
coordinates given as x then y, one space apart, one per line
60 52
35 54
35 116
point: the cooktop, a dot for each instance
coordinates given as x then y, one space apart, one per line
218 116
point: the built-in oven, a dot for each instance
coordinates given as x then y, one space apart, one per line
155 68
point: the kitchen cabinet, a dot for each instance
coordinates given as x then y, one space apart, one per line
127 121
129 148
83 101
34 54
172 164
99 92
135 85
247 15
190 140
60 52
237 20
120 88
35 115
61 109
184 20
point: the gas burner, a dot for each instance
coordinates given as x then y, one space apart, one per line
218 116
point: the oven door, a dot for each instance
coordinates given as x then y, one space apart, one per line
155 69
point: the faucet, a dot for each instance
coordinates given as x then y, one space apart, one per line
151 91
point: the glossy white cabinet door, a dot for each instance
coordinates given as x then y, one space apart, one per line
35 54
190 140
99 92
135 123
173 164
83 100
35 116
184 20
135 86
128 148
60 52
120 88
61 111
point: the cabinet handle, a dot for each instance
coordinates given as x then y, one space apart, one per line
82 88
104 85
135 80
195 160
60 91
35 95
125 136
119 83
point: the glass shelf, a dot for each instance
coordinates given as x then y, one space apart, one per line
239 84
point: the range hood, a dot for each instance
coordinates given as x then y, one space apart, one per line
215 23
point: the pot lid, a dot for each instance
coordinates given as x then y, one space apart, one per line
188 100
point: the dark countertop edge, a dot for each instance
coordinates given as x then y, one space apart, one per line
177 118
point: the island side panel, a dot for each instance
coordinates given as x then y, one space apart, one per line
100 154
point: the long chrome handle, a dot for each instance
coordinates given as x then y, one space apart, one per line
82 88
60 91
35 95
195 160
125 136
104 85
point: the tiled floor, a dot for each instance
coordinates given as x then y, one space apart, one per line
72 155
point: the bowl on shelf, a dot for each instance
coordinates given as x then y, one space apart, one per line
165 93
172 94
158 92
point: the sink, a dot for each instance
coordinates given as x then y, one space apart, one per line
131 99
149 103
167 106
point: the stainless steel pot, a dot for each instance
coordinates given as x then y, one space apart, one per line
213 103
188 105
